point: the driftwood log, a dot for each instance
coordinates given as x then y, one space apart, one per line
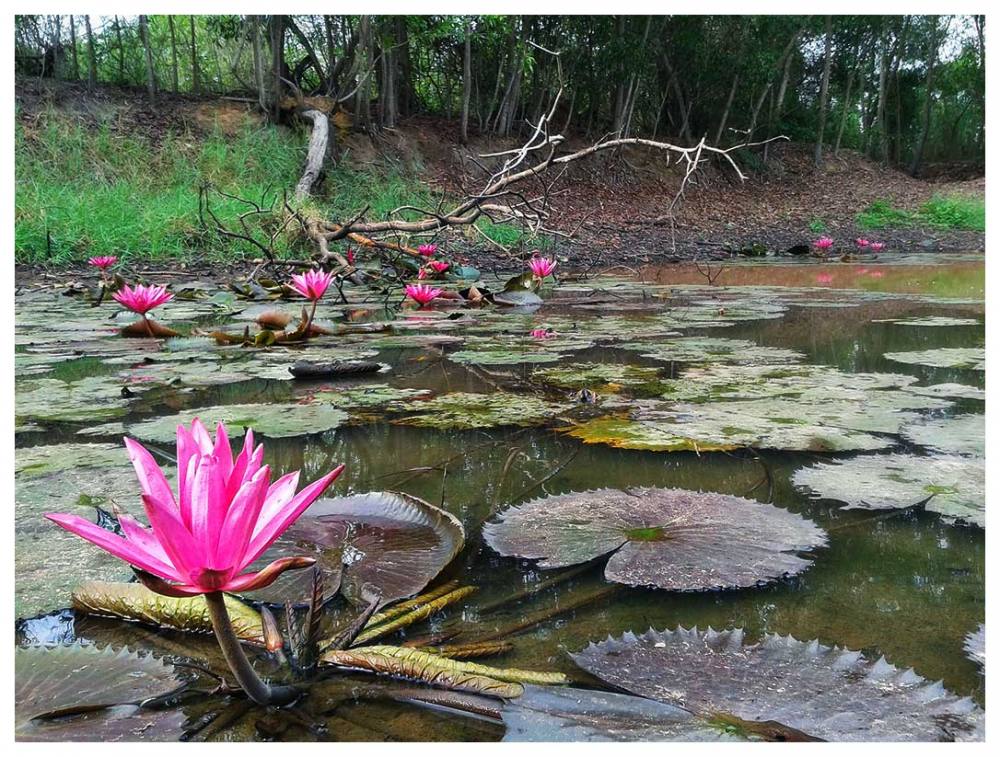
305 369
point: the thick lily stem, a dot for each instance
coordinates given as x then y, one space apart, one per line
312 315
246 677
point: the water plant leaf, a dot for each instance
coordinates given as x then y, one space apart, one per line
957 391
699 349
271 420
384 544
975 646
468 410
959 434
667 538
930 320
826 692
81 681
969 358
134 602
881 482
545 713
607 377
89 399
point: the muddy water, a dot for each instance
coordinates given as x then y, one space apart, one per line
909 587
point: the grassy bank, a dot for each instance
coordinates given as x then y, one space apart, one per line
89 191
955 212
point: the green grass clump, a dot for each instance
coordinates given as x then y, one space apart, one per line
956 212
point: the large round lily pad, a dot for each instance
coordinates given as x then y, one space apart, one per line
383 544
885 482
667 538
825 692
970 358
78 682
270 420
699 349
549 713
959 434
468 410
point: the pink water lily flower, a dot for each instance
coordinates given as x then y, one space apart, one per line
542 333
422 274
427 250
421 293
877 246
824 278
350 256
439 266
312 284
541 267
876 274
823 243
225 516
861 242
103 262
142 299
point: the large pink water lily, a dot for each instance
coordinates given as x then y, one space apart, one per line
141 299
541 267
312 284
225 515
103 262
421 293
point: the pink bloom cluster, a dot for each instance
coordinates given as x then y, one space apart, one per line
141 299
312 284
103 262
224 517
427 250
541 267
823 243
422 294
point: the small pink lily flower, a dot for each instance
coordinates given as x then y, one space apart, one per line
541 267
103 262
422 294
542 333
862 243
877 246
225 516
422 273
142 298
876 274
439 266
427 250
823 243
350 256
824 278
312 284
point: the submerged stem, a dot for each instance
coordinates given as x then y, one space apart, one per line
246 676
312 315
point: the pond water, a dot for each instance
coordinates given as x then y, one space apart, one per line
903 584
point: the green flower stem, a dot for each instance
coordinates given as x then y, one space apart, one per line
246 677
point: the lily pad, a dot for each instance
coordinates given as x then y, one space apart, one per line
603 376
957 391
468 410
884 482
698 349
975 646
959 434
825 692
383 544
547 713
94 398
666 538
80 682
271 420
970 358
931 320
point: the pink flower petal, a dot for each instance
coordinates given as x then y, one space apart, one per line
241 518
151 478
267 576
110 542
184 552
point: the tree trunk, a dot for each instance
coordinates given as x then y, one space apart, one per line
121 52
91 55
317 152
195 75
362 98
258 62
148 51
844 111
173 55
466 82
725 113
824 91
918 151
883 72
72 41
277 38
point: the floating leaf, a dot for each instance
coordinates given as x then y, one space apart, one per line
80 682
467 410
975 646
271 420
383 544
603 377
959 434
698 349
958 391
881 482
668 538
970 358
89 399
930 320
545 713
826 692
133 601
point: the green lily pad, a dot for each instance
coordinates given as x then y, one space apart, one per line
970 358
959 434
956 391
697 349
823 692
665 538
468 410
272 420
379 544
603 376
93 398
881 482
98 690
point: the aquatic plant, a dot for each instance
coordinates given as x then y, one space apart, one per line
422 294
103 263
824 278
225 515
541 267
439 266
427 250
876 246
312 285
141 299
823 244
861 243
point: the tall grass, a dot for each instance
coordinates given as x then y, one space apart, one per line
90 191
954 212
